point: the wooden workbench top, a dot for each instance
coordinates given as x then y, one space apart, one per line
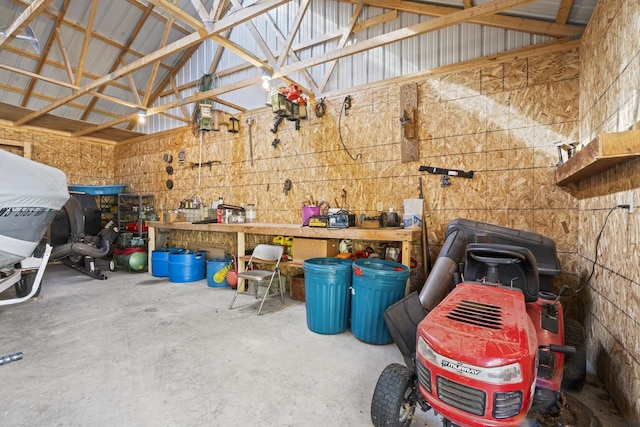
295 230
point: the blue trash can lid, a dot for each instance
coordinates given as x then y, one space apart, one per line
328 263
379 267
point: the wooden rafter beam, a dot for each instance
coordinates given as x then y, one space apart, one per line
564 11
201 10
87 40
455 18
176 92
24 19
175 12
533 26
466 4
61 66
209 94
121 58
132 83
45 52
68 85
105 125
184 43
292 53
341 43
52 13
49 98
154 67
295 26
65 55
160 88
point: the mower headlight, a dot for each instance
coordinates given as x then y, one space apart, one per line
427 352
508 374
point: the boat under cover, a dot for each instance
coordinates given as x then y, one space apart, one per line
31 194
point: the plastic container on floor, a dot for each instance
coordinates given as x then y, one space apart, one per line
188 266
160 261
326 287
377 284
217 269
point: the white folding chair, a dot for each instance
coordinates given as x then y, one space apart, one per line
269 254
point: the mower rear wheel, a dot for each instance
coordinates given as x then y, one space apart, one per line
575 365
393 402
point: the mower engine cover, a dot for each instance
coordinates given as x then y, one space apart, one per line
476 356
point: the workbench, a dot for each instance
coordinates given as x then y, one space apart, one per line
405 236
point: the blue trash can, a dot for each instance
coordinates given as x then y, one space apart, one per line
186 266
160 261
217 269
377 284
327 297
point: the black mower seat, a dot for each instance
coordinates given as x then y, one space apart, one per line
508 265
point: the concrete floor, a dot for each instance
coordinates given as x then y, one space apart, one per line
135 350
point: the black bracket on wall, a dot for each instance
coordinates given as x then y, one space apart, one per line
446 174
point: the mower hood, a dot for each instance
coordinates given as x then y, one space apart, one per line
481 325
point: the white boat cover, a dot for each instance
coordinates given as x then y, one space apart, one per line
31 194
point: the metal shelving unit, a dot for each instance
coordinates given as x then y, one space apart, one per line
108 205
132 212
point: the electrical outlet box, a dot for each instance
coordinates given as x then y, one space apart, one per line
379 206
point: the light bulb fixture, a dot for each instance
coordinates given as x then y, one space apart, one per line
141 116
266 77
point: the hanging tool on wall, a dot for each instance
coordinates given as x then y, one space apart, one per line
276 123
207 163
249 122
287 187
446 174
275 142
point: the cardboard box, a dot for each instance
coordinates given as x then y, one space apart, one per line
297 288
314 248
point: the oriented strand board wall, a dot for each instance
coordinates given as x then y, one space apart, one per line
498 119
609 95
83 162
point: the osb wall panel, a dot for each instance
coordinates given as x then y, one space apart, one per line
609 97
609 101
500 120
83 162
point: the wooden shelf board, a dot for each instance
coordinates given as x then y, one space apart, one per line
603 153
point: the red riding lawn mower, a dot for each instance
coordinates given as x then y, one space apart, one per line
485 342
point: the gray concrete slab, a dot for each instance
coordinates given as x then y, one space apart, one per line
134 350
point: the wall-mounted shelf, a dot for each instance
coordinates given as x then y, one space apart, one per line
603 153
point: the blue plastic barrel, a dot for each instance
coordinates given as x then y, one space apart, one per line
160 261
217 269
377 284
186 266
327 297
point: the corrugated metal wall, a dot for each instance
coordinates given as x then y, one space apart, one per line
431 50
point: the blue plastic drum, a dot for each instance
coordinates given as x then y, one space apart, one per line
327 297
377 284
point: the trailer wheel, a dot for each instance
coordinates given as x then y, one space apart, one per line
25 284
393 402
112 265
575 365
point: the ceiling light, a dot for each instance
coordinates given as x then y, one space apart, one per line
266 76
141 116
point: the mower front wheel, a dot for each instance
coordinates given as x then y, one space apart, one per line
394 402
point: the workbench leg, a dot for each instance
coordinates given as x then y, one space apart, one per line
151 245
406 260
241 252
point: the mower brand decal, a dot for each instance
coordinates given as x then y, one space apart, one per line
459 368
